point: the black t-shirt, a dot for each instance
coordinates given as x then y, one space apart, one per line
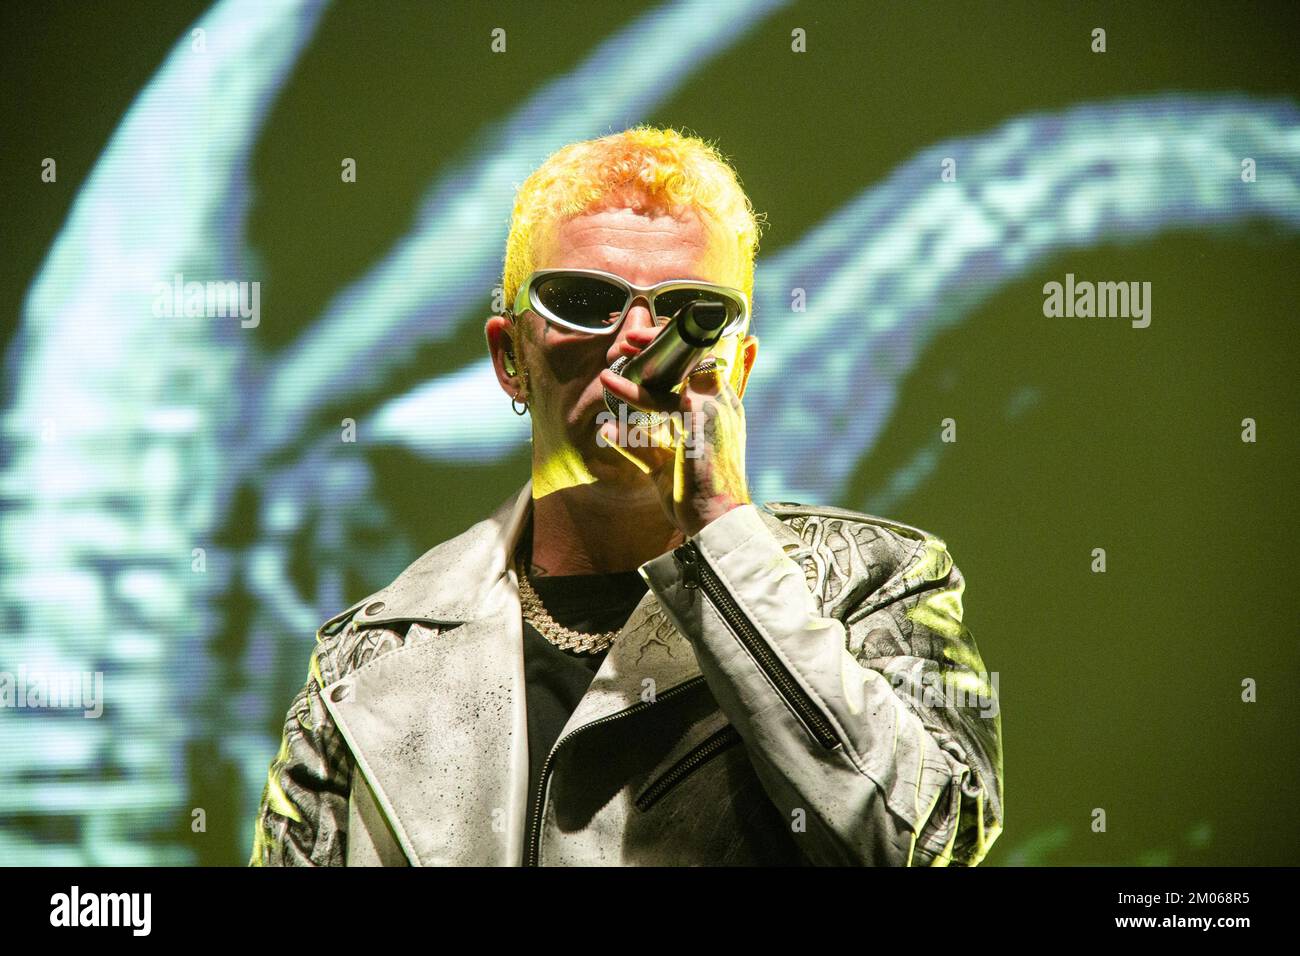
556 679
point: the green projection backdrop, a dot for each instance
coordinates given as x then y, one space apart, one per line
179 512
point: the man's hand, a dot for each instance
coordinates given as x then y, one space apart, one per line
697 458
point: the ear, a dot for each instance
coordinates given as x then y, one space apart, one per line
747 352
505 363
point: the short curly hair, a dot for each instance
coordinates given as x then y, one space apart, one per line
669 168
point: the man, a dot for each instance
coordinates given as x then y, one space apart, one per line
629 662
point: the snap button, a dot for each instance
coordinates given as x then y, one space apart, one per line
375 608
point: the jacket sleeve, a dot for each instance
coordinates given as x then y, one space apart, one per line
303 813
875 731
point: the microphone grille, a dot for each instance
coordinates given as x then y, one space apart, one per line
615 404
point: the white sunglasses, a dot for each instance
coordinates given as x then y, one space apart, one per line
596 302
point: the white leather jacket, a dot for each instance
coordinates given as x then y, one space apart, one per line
796 686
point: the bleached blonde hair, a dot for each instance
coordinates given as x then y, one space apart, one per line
670 169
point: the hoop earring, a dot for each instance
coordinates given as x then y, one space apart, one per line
514 406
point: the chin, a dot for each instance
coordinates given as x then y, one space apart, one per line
609 464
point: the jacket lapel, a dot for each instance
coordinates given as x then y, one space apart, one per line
650 656
438 729
438 726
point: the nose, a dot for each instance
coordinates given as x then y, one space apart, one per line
639 319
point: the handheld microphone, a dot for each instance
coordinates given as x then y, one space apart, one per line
691 332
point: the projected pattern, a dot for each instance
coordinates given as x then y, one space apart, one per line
131 438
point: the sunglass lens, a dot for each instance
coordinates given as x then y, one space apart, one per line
668 304
587 301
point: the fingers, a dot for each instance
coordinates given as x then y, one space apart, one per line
647 448
638 396
706 412
711 384
636 341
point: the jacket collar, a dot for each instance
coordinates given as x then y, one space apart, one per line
459 580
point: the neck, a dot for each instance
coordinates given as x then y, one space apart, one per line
599 528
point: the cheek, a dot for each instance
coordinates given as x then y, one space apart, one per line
571 364
729 351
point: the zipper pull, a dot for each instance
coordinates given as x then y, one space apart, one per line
689 561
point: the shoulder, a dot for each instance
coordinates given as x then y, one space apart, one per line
436 592
439 590
352 639
847 554
826 526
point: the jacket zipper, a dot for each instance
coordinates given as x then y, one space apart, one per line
696 573
534 835
720 741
